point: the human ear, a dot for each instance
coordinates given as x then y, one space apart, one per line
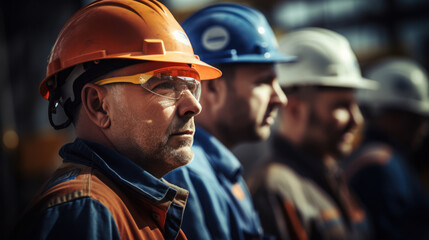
93 101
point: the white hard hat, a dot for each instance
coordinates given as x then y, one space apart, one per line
403 84
325 58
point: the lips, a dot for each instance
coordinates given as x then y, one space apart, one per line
184 132
185 128
270 117
348 137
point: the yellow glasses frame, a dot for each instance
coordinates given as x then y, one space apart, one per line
183 76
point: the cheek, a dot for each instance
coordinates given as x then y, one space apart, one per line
259 99
154 119
161 117
341 117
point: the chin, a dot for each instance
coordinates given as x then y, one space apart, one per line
263 133
182 156
344 149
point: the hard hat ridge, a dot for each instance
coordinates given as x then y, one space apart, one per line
325 58
122 29
403 85
116 33
232 33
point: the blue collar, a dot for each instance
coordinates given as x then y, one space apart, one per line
115 165
220 158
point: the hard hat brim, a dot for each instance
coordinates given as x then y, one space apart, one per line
340 82
205 71
251 58
346 82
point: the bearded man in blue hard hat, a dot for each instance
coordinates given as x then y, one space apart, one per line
240 106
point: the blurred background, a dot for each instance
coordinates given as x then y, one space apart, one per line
376 29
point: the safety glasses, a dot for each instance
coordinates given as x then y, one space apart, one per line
169 82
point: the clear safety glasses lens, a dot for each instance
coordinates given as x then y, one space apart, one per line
172 87
169 83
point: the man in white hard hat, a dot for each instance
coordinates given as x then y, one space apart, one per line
381 171
300 192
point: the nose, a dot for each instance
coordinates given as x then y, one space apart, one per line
278 97
356 117
188 105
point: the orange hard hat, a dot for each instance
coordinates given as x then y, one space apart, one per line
122 29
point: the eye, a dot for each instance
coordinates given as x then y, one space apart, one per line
268 80
164 85
156 84
192 85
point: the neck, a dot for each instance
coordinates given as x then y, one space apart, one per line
86 130
211 129
296 141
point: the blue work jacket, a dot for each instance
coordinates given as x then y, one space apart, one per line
97 193
219 205
381 175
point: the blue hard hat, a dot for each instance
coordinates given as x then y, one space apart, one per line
232 33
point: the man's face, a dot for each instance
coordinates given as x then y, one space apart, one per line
333 118
155 132
252 100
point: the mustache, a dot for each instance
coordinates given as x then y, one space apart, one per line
181 127
271 110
